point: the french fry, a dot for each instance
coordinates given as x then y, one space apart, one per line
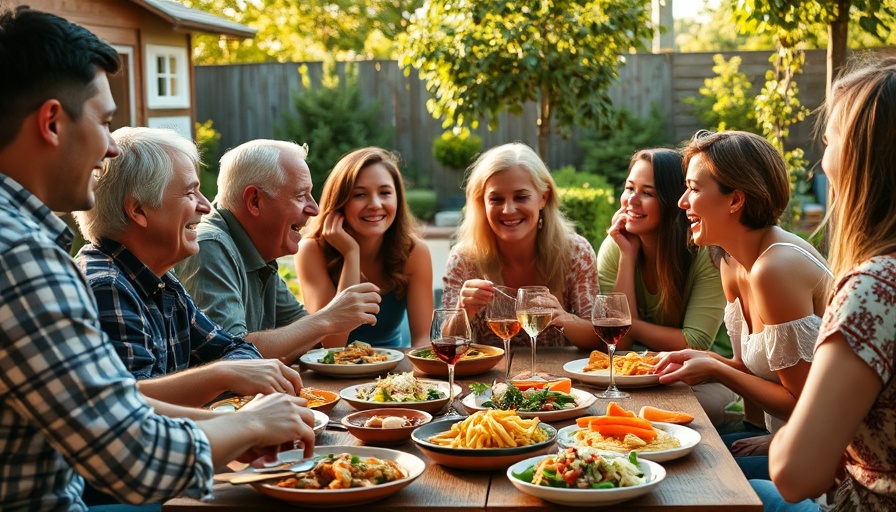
491 429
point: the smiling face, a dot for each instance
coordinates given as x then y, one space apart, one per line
85 144
708 209
283 212
640 201
171 228
372 205
512 205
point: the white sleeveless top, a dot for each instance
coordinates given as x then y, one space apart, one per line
777 346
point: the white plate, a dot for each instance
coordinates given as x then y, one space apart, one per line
688 437
310 359
602 377
653 472
350 395
411 464
584 399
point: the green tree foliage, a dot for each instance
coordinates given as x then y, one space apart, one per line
208 141
479 58
608 152
718 32
457 150
309 30
725 101
333 121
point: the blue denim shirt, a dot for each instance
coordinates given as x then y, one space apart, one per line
152 322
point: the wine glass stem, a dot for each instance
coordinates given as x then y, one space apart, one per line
450 389
534 342
506 360
612 351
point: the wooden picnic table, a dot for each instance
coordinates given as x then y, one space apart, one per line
708 479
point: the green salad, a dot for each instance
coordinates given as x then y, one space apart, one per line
584 468
506 396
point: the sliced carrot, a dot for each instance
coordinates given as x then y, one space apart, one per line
656 414
620 420
614 409
584 421
622 430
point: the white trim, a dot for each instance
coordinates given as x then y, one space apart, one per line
180 76
129 51
180 124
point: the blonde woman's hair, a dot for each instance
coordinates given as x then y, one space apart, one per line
862 216
398 240
142 171
475 238
256 162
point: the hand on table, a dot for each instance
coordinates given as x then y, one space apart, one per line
688 366
265 376
283 422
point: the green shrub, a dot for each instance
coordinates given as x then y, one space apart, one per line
333 121
591 209
422 203
208 141
456 150
567 176
608 152
725 101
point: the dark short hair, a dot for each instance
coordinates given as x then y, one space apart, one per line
747 162
43 56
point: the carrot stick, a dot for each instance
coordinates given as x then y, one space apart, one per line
614 409
622 430
584 421
620 420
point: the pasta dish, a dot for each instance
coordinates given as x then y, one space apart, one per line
399 387
345 471
356 352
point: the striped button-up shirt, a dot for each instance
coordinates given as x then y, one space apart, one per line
68 403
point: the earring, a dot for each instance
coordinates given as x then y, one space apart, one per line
540 219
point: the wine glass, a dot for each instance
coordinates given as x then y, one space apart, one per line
450 335
612 320
500 314
534 315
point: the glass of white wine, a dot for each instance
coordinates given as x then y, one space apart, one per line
500 314
612 320
534 315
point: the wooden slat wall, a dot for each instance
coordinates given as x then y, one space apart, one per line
246 101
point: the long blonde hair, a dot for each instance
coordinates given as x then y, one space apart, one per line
863 213
475 238
398 240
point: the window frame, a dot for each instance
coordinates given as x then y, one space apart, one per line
181 74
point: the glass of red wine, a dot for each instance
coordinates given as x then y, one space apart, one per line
450 335
500 314
612 320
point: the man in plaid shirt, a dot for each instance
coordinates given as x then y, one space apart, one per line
71 411
148 204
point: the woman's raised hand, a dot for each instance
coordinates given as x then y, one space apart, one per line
474 295
335 234
628 243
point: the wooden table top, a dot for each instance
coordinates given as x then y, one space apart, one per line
708 479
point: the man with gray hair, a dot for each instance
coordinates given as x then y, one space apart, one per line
148 204
264 199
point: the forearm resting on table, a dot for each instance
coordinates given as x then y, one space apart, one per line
191 388
657 338
289 342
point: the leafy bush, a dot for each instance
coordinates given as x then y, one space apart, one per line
333 121
567 176
421 203
607 153
725 101
591 209
456 150
208 141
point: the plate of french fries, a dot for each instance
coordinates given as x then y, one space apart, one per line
630 369
485 440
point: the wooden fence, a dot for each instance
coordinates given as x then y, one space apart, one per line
246 101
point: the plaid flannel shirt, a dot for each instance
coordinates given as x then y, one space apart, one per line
152 322
68 403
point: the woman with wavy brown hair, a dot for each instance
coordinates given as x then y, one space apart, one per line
365 232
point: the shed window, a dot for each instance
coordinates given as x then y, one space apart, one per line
167 75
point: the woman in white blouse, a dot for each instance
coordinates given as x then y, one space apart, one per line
775 283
